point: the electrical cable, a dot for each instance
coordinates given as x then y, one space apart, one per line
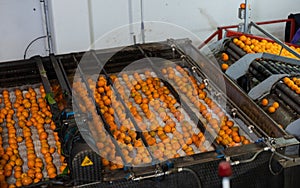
193 173
284 156
87 184
25 52
250 159
174 170
83 182
47 182
270 166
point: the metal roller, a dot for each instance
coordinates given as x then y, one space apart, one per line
277 66
287 100
236 49
233 54
257 75
268 66
291 94
260 68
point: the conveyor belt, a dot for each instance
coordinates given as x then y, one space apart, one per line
191 105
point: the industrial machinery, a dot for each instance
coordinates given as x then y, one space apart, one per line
263 75
154 114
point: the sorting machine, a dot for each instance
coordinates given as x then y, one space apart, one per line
121 113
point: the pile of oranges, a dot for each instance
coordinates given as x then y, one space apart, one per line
154 110
293 84
120 125
140 106
216 120
25 119
161 109
251 45
107 150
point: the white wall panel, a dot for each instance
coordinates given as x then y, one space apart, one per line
20 23
107 16
69 25
201 17
265 10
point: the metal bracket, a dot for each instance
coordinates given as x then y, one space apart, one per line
285 141
241 67
265 86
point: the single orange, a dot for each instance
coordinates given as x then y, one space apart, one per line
30 163
242 5
246 141
167 128
18 183
224 56
26 180
271 109
229 123
19 162
275 105
264 102
39 175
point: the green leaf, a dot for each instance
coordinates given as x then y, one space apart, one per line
50 99
65 171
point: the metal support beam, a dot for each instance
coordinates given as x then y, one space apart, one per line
247 17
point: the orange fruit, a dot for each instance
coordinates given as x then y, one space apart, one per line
189 141
229 123
36 180
38 165
17 168
275 105
271 109
101 82
30 163
63 166
224 127
105 162
7 173
19 162
31 172
236 139
264 102
167 128
10 152
224 56
26 180
13 158
246 141
18 183
221 132
39 175
242 5
228 131
224 66
43 135
52 172
243 38
52 150
37 169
